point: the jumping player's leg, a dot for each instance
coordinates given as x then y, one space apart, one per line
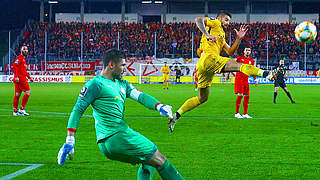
250 70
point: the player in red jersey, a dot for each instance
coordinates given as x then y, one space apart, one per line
21 83
241 85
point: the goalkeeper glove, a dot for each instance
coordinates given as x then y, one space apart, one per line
165 110
67 150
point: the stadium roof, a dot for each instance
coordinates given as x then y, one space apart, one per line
67 1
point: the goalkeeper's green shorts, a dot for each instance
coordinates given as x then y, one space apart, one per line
128 146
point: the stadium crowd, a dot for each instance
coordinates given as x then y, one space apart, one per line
64 39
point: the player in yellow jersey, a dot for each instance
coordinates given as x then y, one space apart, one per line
212 43
166 71
318 74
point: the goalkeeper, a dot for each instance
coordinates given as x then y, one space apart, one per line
106 93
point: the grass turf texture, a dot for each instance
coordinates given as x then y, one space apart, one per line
206 144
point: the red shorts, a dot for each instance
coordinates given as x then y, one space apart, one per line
21 87
241 86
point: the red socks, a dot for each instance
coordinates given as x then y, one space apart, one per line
24 101
15 103
245 104
238 102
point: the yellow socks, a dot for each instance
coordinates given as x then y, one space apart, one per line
189 105
251 70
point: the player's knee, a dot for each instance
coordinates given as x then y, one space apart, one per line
203 99
157 159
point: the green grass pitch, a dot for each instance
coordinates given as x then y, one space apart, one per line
281 142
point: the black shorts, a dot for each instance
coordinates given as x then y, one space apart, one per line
282 84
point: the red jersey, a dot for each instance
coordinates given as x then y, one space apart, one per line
244 60
20 69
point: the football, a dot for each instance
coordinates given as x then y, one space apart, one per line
305 32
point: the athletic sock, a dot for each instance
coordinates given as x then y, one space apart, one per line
15 103
189 105
275 96
145 172
245 104
168 172
238 103
24 101
288 94
251 70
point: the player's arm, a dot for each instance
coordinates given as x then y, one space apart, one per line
201 23
240 34
16 68
87 95
148 101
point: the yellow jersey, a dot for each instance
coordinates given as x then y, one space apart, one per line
165 70
214 28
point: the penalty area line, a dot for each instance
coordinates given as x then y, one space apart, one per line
22 171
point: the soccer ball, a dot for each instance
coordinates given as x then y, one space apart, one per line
305 32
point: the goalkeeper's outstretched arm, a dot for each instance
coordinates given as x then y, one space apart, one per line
151 102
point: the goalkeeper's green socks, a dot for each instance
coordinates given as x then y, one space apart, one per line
168 172
145 172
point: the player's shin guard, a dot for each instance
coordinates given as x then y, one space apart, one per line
167 171
238 103
145 172
245 104
251 70
15 103
189 105
24 101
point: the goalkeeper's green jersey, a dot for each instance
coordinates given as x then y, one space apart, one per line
107 99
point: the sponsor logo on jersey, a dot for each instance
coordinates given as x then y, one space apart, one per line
118 98
83 92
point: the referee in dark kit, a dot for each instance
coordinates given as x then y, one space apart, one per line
279 81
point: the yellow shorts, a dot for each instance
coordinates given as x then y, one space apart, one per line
166 77
207 66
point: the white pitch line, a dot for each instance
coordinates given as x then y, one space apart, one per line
59 114
22 171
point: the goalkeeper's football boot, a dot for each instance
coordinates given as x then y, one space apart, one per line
23 112
63 153
173 121
246 116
